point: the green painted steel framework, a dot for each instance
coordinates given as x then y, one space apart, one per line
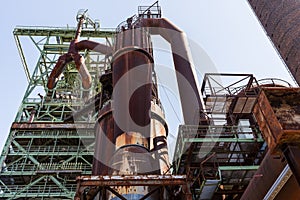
47 148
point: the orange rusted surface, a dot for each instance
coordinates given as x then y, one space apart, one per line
131 138
158 138
104 141
278 116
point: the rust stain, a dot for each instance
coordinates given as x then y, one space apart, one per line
278 115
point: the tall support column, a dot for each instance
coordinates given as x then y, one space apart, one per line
281 21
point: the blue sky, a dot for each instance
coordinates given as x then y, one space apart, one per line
226 30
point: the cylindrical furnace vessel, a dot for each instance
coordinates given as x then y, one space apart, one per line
131 131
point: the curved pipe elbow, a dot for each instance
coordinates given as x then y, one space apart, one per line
57 70
94 46
83 71
73 54
187 82
161 26
60 66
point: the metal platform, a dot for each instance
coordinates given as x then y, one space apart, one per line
221 158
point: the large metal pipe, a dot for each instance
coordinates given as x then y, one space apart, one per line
94 46
57 70
73 54
281 21
191 100
83 71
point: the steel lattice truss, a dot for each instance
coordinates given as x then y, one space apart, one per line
48 145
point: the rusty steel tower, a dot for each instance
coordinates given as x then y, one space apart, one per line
92 124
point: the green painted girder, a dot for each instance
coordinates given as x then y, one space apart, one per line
35 172
197 152
59 184
58 137
35 190
238 168
38 194
28 186
62 31
227 140
18 173
51 153
52 103
34 160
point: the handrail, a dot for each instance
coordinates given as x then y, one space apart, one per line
55 134
274 81
35 189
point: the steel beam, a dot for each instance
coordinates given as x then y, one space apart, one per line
240 140
134 180
61 31
238 168
60 185
32 126
29 185
37 195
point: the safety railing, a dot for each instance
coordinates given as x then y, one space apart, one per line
66 150
18 168
20 29
273 82
36 189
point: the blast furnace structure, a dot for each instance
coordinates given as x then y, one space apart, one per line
92 125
